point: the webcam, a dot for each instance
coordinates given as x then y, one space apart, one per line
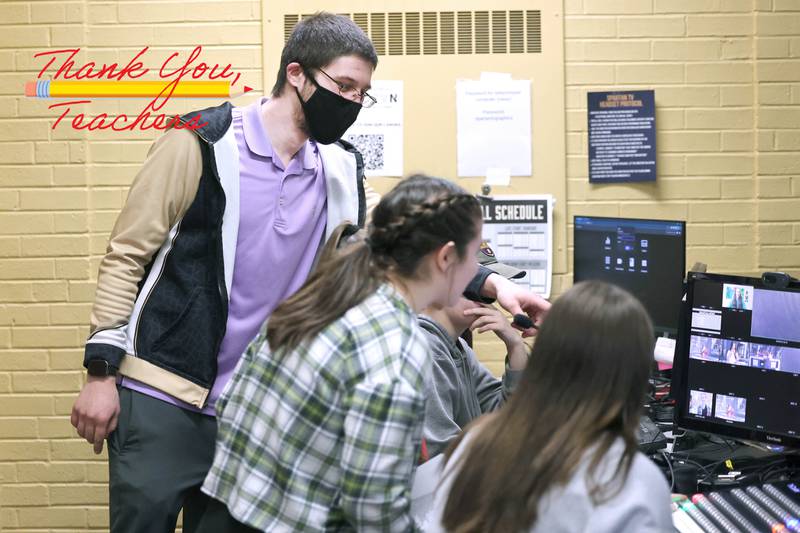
778 280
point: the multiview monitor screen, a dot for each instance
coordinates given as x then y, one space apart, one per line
645 257
737 366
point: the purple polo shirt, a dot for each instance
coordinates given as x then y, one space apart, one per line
283 212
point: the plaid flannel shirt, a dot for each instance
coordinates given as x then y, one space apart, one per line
325 437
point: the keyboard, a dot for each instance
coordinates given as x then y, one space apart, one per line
650 437
770 508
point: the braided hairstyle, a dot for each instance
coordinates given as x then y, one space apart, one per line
418 216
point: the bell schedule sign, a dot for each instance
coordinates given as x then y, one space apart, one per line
622 136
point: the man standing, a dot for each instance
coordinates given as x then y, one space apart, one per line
220 226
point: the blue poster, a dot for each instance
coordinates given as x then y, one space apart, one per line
622 136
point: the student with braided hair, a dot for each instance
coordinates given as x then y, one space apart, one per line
320 426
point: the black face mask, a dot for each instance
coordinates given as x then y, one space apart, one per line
328 115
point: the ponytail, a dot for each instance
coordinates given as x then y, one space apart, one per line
343 234
343 279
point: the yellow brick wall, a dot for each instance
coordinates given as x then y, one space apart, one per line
778 135
60 191
727 80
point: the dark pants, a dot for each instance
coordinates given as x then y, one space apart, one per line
159 456
218 520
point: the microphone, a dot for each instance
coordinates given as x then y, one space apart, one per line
524 322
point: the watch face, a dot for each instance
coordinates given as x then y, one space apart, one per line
98 367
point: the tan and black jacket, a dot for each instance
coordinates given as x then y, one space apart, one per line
162 290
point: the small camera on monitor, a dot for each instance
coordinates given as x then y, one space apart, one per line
778 280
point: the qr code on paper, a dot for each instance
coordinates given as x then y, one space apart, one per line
371 147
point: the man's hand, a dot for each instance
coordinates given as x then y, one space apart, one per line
515 300
96 410
491 319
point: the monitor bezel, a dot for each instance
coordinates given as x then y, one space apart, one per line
680 369
660 329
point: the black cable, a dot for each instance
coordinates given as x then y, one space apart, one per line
708 469
695 463
767 470
759 470
793 471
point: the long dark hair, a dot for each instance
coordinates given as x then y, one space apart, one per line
419 215
583 388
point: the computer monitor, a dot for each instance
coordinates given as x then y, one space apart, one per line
645 257
737 362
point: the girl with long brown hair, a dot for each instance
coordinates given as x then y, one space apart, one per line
561 455
321 424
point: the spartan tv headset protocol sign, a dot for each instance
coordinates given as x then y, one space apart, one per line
738 365
645 257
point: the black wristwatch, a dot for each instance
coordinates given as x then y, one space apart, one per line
100 368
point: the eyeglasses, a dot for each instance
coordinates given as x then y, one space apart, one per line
350 92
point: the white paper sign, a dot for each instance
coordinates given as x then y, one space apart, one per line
494 126
664 351
519 229
378 132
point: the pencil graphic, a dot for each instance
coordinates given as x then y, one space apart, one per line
130 89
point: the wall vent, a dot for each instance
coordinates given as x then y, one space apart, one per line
446 32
